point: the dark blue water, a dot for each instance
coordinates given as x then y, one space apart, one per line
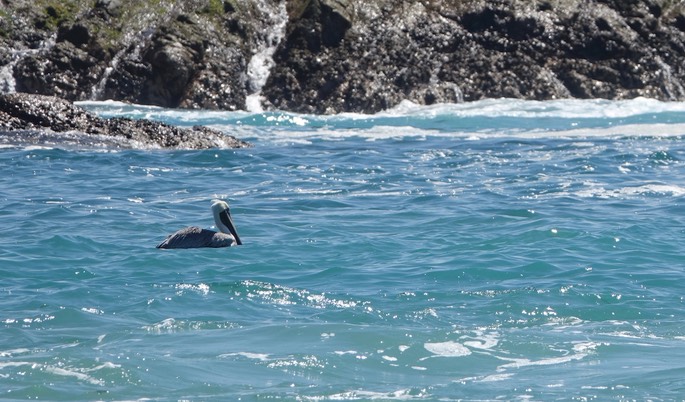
496 250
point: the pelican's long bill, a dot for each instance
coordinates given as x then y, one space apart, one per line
223 220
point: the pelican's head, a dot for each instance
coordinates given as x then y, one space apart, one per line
222 219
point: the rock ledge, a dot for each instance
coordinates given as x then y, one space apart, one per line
21 114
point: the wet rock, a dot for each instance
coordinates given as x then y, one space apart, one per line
344 55
186 63
21 113
373 64
172 57
69 72
319 22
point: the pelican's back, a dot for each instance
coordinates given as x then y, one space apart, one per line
195 237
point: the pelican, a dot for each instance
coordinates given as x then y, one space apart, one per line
195 237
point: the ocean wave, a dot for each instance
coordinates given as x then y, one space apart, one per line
58 371
172 325
447 349
473 121
563 108
286 296
494 108
500 107
357 395
658 190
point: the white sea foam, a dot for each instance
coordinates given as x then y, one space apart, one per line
345 352
399 395
484 344
167 324
78 374
623 192
447 349
391 132
580 351
4 365
248 355
518 363
496 377
71 373
484 340
92 310
105 365
565 108
285 127
14 352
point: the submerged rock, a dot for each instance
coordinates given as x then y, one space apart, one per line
29 118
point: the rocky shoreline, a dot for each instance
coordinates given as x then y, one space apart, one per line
332 56
41 119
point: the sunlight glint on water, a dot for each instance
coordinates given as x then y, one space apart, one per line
497 250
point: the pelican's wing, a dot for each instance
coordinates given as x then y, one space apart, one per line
195 237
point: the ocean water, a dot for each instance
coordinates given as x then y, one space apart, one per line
497 250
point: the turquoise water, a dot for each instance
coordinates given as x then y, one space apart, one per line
502 250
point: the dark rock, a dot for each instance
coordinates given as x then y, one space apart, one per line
68 72
77 34
374 66
345 55
46 114
229 7
445 51
181 65
172 59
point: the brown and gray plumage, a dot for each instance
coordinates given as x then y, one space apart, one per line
195 237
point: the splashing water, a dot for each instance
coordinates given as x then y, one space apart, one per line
7 82
259 67
98 91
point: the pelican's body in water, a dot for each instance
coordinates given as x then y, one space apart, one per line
195 237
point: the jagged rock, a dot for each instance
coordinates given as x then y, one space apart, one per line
344 55
319 22
69 72
183 64
21 112
173 57
381 59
